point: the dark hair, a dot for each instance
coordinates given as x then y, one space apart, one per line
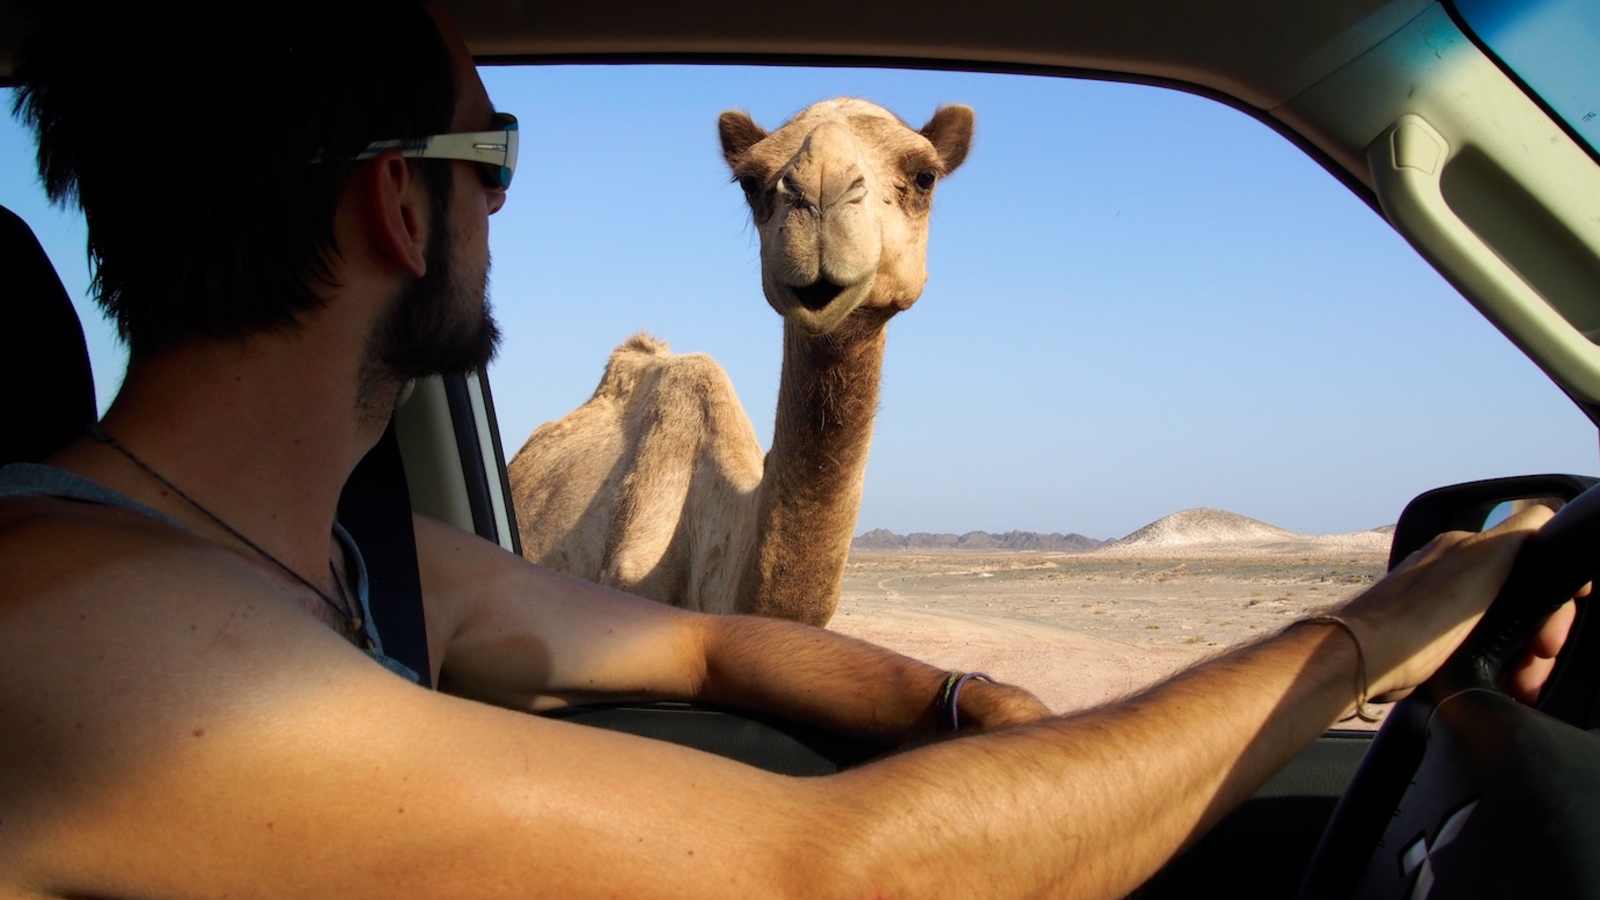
190 150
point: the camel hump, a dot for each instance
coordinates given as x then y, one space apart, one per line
628 362
643 342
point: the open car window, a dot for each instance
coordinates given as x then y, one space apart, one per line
1166 386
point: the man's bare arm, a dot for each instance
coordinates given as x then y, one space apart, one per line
515 634
1091 805
264 755
524 637
849 686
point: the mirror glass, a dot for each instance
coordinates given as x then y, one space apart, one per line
1505 509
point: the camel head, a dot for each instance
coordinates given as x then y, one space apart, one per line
840 195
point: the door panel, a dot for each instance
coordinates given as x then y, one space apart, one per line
1264 846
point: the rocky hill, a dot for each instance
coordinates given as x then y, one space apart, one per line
883 539
1206 530
1205 525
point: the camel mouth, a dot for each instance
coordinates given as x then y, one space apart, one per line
817 295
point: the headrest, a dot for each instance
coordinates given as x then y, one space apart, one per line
44 362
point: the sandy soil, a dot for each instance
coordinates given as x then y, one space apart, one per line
1080 629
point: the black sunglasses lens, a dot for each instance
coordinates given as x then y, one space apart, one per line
495 178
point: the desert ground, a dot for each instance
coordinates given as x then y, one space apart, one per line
1079 629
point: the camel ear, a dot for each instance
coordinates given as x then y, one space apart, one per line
738 133
950 132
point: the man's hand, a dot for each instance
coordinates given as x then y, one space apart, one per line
985 706
1525 682
1412 620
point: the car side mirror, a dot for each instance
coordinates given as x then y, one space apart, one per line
1477 505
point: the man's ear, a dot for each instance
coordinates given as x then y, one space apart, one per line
738 133
950 132
396 208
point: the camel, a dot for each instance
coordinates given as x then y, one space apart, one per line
657 484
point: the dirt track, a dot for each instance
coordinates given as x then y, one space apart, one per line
1079 629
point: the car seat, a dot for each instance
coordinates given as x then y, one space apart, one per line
46 365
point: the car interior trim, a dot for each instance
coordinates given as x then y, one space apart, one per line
488 446
470 454
432 456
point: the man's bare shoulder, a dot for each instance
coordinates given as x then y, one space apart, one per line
135 652
115 620
59 555
124 608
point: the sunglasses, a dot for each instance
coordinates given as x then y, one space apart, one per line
493 152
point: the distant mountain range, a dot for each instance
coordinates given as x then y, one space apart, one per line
1189 528
883 539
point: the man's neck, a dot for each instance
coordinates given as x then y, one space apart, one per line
262 433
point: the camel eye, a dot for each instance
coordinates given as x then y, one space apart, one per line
750 184
925 179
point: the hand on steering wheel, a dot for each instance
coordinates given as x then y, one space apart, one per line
1528 678
1516 780
1413 619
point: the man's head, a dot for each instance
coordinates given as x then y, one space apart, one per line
218 184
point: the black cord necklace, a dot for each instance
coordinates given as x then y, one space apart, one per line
345 610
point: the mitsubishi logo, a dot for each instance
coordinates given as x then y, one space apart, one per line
1416 862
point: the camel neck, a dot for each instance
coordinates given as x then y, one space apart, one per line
811 484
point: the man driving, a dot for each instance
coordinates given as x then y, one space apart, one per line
288 223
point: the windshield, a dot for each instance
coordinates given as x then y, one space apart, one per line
1552 46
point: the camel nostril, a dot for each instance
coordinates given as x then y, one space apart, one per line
818 295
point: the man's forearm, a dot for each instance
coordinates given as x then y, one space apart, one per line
822 677
1091 803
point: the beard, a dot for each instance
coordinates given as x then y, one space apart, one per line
439 324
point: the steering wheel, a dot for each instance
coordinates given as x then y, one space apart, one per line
1465 792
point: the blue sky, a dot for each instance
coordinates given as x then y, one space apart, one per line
1139 301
